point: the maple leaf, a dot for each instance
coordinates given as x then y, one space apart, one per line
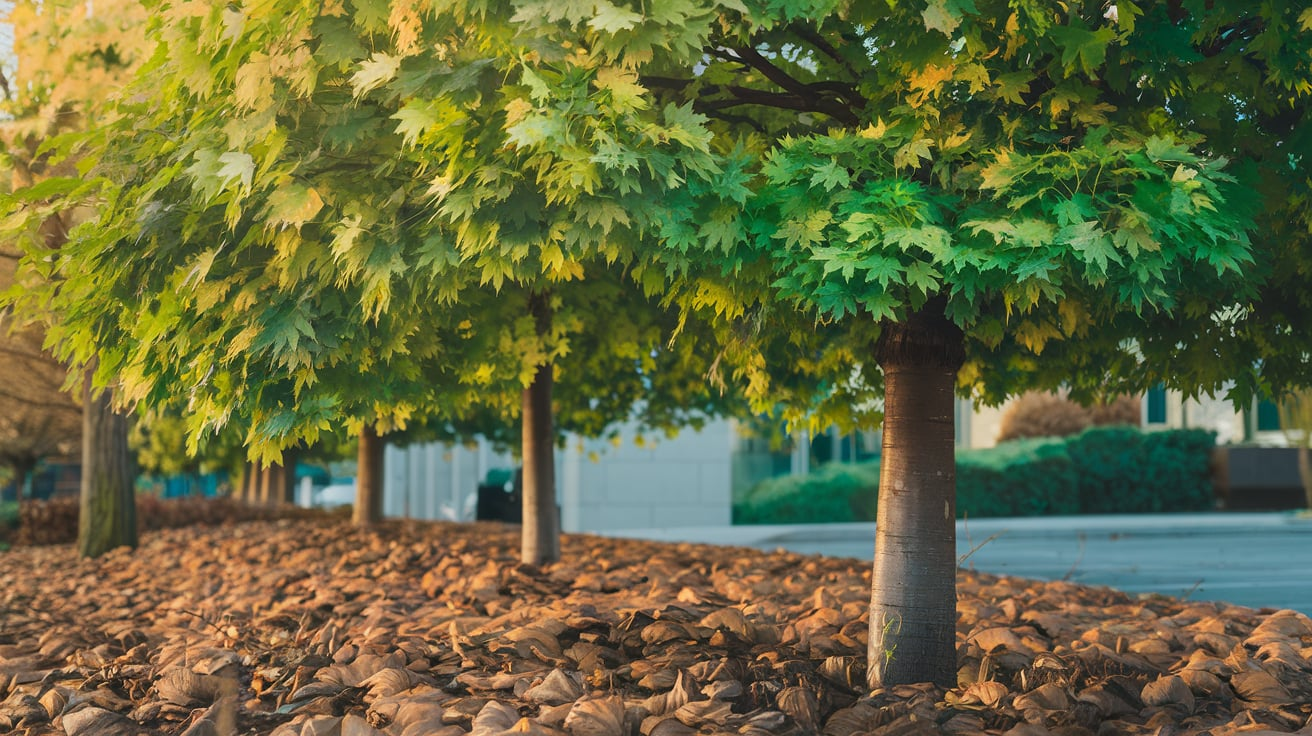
374 72
1081 46
293 205
236 165
611 18
911 154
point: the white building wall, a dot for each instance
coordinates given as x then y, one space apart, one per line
436 481
683 480
667 481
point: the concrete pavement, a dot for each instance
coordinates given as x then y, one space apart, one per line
1253 559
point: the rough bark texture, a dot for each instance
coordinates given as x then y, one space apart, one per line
913 591
369 478
1305 473
540 541
107 514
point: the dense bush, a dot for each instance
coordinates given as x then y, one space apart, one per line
1100 470
1030 477
835 492
1127 471
55 521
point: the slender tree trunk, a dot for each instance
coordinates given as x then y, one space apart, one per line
369 478
244 491
913 600
285 489
540 534
107 514
265 495
1305 473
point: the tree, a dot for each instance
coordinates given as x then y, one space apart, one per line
309 216
67 58
992 197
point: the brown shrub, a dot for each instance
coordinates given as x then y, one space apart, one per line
1123 409
1046 414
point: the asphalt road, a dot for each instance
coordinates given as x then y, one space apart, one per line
1258 560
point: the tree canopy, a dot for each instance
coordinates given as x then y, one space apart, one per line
309 213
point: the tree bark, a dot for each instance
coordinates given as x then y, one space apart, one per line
1305 473
913 591
540 535
107 514
250 479
278 480
369 478
285 488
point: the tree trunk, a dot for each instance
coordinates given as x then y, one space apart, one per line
540 535
250 478
913 600
278 480
265 495
285 489
369 478
107 514
1305 473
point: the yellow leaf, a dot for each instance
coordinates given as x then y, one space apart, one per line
1035 335
623 87
254 83
876 131
928 82
1305 19
1074 317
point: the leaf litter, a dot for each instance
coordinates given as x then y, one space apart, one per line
316 628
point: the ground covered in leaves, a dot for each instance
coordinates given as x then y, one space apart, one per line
312 627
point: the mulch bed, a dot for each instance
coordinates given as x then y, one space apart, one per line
314 627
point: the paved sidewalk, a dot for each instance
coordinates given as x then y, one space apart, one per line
1254 559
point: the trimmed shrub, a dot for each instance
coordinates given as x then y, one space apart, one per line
1124 470
1032 477
833 493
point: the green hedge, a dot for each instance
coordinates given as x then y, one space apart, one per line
1102 470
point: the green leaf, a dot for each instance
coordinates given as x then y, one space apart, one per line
1081 46
831 176
235 165
611 18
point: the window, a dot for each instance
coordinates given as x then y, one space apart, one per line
1268 416
1156 409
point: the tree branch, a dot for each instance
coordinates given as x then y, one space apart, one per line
822 44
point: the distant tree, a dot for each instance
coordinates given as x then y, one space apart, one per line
66 57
